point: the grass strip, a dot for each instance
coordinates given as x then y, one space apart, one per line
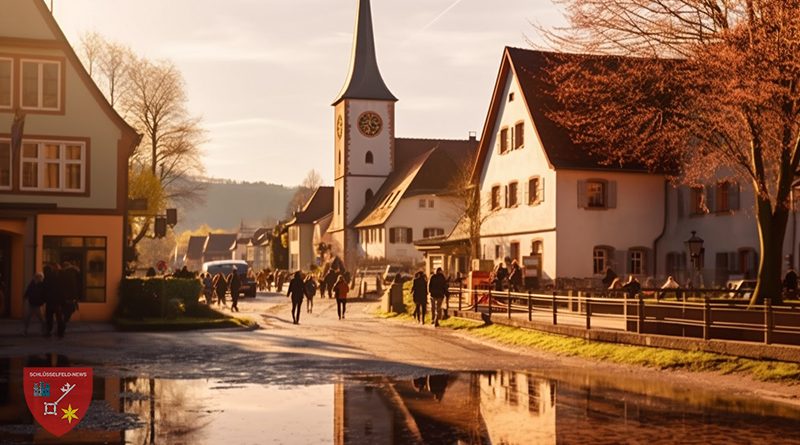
658 358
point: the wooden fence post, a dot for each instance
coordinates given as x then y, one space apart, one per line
555 309
706 319
768 320
588 313
508 309
530 307
640 314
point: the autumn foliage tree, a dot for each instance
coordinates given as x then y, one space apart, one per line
696 87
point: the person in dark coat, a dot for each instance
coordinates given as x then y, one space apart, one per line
500 275
297 291
419 290
234 284
340 290
34 298
220 287
311 290
437 287
70 281
53 299
330 281
515 277
632 287
609 278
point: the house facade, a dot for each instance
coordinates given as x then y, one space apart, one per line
369 160
63 171
302 250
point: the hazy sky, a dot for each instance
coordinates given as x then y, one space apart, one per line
263 73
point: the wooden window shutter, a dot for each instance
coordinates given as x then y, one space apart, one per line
410 235
506 196
582 199
392 236
711 197
733 196
611 194
540 193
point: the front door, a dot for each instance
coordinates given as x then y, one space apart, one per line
5 275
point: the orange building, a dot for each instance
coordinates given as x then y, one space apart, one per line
63 190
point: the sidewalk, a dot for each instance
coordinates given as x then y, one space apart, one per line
13 328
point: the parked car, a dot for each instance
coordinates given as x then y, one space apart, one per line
225 267
745 288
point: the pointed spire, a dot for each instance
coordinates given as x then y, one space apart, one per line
364 80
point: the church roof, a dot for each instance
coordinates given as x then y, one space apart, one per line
364 80
317 206
532 68
422 166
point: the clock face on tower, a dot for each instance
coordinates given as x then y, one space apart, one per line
370 124
339 127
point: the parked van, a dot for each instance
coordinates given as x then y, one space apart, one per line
225 267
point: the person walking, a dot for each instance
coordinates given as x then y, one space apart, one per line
220 287
234 284
500 275
69 278
296 291
311 290
419 290
53 298
208 287
515 277
437 287
34 296
330 281
340 289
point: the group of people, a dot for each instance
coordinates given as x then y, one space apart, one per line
57 288
300 288
215 288
437 288
507 276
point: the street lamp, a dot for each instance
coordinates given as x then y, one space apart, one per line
695 247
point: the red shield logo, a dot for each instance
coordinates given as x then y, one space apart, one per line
58 397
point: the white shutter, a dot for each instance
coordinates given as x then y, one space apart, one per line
582 200
611 194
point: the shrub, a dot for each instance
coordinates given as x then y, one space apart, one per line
149 297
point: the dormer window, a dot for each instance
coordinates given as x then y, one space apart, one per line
369 159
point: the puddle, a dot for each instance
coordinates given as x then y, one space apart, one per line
503 407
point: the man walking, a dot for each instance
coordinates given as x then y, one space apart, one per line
234 284
437 287
297 290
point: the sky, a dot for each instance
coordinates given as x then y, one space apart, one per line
262 73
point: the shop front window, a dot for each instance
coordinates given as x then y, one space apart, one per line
88 255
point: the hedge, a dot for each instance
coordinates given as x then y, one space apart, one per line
151 297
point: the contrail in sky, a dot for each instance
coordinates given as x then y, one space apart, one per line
435 19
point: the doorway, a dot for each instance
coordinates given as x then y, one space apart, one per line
5 275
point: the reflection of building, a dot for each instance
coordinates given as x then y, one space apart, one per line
64 188
518 408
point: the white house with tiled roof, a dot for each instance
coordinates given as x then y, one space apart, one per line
378 186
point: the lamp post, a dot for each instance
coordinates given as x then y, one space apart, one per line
695 247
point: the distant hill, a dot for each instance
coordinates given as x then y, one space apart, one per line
228 203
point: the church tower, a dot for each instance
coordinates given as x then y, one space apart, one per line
364 137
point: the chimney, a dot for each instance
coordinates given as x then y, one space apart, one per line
473 136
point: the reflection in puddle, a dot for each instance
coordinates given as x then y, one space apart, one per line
466 408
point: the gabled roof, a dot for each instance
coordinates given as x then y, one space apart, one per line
194 251
531 69
317 206
220 242
429 172
260 237
364 80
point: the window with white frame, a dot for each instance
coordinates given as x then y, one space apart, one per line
503 140
534 192
600 259
401 235
40 88
596 194
6 82
431 232
519 135
5 165
637 262
53 166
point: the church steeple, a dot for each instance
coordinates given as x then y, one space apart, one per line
364 80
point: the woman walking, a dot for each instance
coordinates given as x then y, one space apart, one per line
297 290
220 287
419 290
311 289
340 290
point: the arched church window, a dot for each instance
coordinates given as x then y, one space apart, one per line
369 158
368 195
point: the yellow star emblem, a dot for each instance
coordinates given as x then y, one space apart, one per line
69 413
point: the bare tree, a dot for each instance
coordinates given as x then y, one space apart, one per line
469 211
713 84
310 184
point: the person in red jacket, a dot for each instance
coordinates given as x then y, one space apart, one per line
340 290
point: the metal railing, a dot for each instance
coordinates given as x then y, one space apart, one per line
706 318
